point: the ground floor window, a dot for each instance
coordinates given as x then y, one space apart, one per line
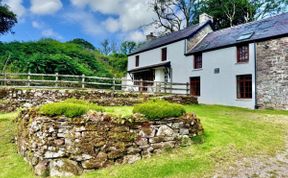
195 86
244 86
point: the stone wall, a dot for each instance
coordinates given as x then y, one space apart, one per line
61 146
272 74
14 98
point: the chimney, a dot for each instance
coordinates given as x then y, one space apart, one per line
150 37
205 17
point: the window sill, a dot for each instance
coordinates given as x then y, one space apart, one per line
194 70
239 63
244 99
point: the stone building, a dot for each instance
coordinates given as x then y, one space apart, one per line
245 65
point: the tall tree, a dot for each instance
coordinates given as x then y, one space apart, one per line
173 15
106 47
7 19
127 47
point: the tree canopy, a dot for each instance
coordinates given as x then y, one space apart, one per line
51 56
7 19
173 15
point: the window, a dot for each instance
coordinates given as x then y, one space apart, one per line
198 61
137 61
195 86
164 54
243 53
244 86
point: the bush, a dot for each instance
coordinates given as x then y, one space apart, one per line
69 108
158 109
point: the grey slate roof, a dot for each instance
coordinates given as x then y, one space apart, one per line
262 29
170 38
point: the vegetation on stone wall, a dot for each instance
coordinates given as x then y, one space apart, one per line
69 108
158 109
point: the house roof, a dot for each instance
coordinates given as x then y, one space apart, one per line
253 31
138 69
170 38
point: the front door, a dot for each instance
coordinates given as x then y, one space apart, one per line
195 86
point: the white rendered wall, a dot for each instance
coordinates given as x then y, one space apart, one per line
180 64
222 88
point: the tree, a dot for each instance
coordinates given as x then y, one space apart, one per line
85 44
173 15
234 12
127 47
7 19
105 47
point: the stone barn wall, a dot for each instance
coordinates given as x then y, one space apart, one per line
60 146
272 73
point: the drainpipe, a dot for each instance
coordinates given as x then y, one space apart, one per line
255 75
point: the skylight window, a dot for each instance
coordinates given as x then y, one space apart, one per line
245 36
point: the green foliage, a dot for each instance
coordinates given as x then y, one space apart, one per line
69 108
159 109
83 43
127 47
7 19
51 56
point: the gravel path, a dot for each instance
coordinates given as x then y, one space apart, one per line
259 167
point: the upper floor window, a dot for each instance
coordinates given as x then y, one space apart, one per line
198 61
243 53
164 54
137 61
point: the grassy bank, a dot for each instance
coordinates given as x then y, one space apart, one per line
230 134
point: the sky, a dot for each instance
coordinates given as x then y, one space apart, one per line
92 20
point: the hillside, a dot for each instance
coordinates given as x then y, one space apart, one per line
51 56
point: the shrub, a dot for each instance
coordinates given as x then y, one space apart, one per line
69 108
158 109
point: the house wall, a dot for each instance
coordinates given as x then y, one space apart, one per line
272 73
193 41
180 64
222 88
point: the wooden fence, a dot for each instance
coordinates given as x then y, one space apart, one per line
33 80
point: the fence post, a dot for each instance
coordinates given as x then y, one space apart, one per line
56 80
5 79
187 88
165 88
83 81
29 78
141 85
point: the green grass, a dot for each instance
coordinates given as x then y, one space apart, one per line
159 109
70 108
230 134
12 164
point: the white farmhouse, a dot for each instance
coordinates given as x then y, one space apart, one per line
245 65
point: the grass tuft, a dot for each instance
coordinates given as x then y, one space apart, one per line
159 109
69 108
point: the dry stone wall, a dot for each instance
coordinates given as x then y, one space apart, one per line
272 74
61 146
12 98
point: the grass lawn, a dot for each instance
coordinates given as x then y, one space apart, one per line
230 134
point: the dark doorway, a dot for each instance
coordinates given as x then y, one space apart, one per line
195 86
145 76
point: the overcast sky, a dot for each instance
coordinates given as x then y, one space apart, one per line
93 20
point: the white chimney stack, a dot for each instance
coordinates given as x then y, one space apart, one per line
205 17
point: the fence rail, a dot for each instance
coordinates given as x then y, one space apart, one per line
35 80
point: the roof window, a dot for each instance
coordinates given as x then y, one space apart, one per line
245 36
